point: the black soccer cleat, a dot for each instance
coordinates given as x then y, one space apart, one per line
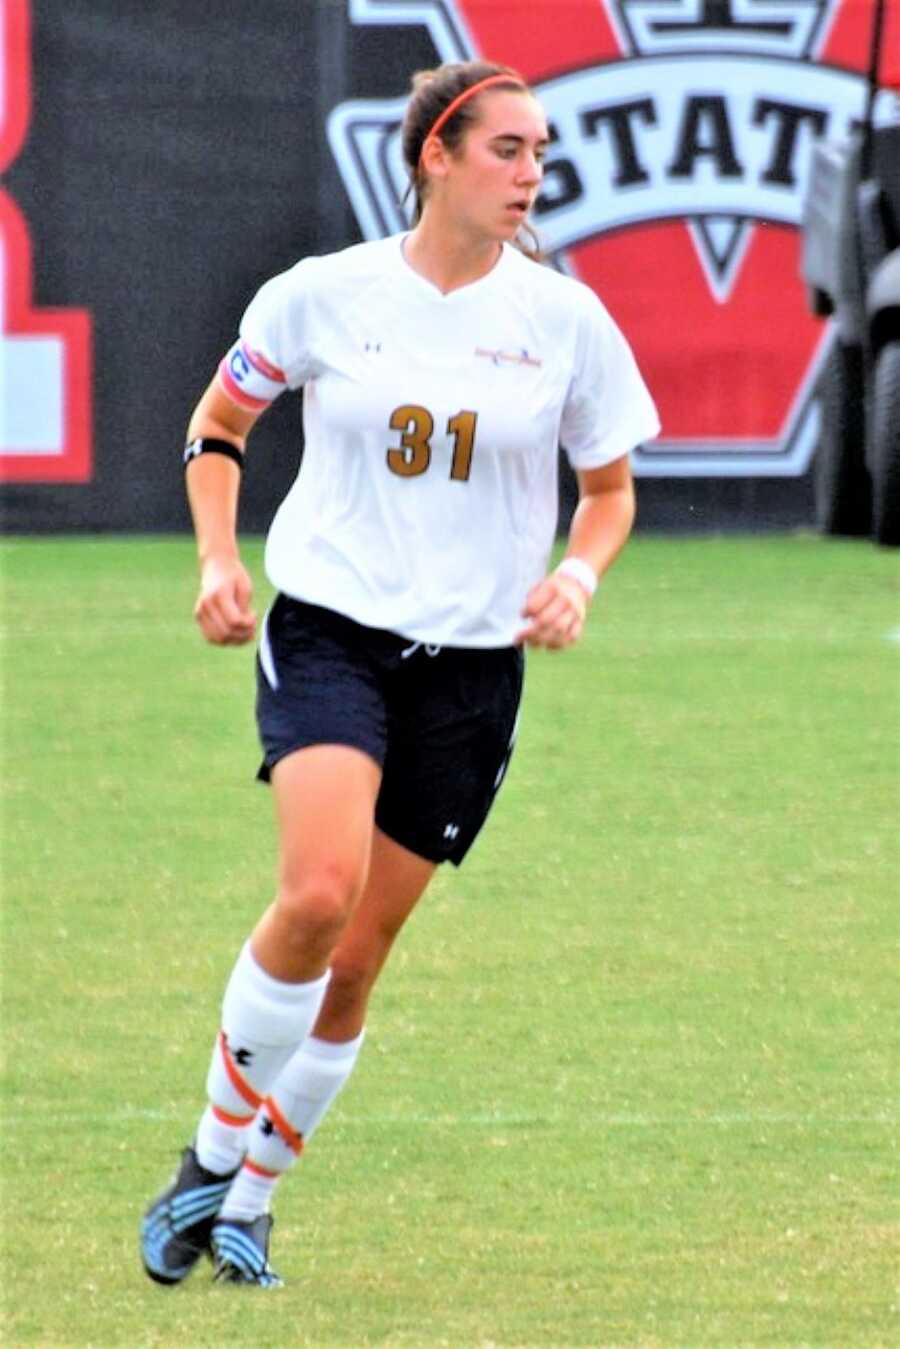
240 1252
176 1228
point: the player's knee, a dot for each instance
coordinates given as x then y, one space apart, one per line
317 901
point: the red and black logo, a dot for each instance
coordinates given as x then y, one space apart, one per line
681 133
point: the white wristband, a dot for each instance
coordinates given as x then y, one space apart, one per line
580 571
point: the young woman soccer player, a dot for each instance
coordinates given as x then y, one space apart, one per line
441 369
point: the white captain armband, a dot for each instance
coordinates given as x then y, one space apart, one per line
249 379
580 571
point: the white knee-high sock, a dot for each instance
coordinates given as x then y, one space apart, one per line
264 1021
297 1103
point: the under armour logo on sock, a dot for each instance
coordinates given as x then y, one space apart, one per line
242 1056
451 831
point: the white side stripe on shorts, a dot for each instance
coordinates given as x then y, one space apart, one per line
266 659
501 772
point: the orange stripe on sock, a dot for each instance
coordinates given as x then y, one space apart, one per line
240 1084
236 1121
284 1127
260 1170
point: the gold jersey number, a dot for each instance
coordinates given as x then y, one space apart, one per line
416 426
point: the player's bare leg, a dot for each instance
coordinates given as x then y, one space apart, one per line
396 881
325 804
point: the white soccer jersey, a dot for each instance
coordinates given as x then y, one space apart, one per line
426 501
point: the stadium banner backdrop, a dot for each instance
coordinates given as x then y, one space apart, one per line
159 162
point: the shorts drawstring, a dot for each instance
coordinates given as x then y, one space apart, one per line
429 647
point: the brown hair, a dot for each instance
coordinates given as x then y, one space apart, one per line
433 91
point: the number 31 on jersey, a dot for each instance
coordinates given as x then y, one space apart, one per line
416 426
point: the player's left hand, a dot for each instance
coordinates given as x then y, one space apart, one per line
555 610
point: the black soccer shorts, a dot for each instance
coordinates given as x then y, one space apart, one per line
440 721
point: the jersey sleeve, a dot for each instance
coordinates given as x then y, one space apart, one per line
608 408
272 352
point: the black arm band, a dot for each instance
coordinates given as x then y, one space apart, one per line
206 445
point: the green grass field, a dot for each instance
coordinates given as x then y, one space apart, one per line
631 1078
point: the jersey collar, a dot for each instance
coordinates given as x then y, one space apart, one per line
460 293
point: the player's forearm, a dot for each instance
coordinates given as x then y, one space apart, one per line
601 525
213 483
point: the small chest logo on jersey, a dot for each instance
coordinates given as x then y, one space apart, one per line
520 357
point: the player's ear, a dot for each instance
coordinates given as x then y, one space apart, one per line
435 158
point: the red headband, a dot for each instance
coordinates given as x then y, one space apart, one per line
463 98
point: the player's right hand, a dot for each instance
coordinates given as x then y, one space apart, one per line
224 608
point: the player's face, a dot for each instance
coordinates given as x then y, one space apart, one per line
496 172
